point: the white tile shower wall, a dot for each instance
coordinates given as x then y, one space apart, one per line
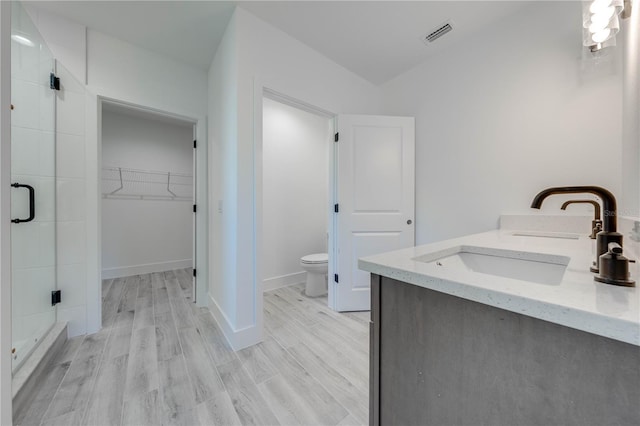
35 154
71 164
71 201
32 146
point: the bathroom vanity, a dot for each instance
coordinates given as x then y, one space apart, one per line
501 328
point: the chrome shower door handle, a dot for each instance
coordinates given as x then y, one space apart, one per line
32 203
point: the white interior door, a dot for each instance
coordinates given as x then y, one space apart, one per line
375 196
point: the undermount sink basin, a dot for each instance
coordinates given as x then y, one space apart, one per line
525 266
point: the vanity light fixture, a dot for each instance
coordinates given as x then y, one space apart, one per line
601 23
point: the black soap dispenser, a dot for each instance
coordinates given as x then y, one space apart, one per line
614 268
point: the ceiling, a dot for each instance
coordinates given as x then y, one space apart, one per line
377 40
188 31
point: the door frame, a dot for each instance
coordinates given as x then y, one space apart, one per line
194 153
94 200
262 90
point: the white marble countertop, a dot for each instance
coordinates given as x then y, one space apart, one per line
577 301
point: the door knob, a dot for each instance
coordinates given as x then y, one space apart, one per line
409 222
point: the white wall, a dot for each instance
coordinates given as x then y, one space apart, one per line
97 59
71 215
148 235
142 143
149 80
295 190
223 129
630 37
506 114
252 55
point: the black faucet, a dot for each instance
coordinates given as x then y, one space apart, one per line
596 223
609 233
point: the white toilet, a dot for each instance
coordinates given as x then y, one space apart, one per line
316 266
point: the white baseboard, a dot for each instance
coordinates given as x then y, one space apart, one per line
127 271
284 281
237 339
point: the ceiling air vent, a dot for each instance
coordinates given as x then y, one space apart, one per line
438 32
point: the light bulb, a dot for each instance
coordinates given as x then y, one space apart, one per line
601 18
598 5
596 27
601 36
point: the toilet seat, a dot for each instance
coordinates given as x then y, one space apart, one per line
315 258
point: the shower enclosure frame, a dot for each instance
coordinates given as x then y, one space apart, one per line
33 238
6 412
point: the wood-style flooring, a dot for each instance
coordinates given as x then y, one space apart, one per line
160 360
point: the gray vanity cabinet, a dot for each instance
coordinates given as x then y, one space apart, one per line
437 359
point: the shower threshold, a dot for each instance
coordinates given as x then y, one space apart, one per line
34 367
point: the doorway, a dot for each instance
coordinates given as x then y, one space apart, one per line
370 203
148 193
296 149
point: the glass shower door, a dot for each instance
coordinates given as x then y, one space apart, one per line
33 230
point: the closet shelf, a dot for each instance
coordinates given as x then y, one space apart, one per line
126 183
